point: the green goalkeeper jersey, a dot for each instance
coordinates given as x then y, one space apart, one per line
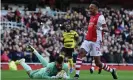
49 71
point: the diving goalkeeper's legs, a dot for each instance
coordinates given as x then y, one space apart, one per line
32 73
41 59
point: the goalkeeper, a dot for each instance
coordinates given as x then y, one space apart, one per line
53 70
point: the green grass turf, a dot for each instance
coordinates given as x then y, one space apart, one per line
84 75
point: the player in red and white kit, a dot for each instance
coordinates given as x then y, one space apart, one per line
92 43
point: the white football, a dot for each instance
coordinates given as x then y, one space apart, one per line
61 74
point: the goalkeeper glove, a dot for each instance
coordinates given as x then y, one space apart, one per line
54 77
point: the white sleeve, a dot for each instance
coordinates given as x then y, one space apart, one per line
101 20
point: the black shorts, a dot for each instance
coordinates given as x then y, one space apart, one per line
68 51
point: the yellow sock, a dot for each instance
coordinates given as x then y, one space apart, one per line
70 62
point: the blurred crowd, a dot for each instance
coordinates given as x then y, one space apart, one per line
44 32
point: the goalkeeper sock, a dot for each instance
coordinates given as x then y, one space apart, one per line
25 66
70 62
41 59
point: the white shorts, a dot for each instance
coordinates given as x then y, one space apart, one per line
93 48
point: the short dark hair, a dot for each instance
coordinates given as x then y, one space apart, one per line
59 59
95 3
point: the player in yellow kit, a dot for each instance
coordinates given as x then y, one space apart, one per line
70 38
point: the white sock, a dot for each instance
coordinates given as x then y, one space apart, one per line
77 72
93 68
111 70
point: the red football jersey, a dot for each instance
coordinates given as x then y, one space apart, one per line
94 34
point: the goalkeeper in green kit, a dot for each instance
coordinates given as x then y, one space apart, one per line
53 70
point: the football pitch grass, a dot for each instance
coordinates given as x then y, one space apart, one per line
84 75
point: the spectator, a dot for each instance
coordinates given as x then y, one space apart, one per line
4 56
44 33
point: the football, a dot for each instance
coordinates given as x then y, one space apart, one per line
61 74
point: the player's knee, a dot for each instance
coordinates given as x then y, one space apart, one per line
98 63
82 53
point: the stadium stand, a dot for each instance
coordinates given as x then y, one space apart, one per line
43 28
